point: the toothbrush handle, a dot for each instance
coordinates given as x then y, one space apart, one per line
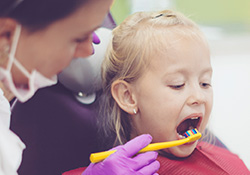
97 157
163 145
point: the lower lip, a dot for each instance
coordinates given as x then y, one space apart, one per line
191 143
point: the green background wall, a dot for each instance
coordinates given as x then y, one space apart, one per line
232 14
120 10
217 12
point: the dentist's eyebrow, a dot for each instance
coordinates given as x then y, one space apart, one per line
92 30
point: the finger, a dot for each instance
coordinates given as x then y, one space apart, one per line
150 169
143 159
136 144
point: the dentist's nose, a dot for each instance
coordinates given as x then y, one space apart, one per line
84 49
196 96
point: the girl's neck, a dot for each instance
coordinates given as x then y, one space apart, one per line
171 156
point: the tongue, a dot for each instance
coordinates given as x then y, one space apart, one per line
184 126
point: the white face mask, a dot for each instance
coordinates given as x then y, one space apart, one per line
36 80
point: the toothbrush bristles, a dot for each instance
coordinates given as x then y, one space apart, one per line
190 132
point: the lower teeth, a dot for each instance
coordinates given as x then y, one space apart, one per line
181 136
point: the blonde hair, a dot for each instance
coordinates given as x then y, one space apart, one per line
135 41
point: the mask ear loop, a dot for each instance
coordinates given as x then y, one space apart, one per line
13 46
13 51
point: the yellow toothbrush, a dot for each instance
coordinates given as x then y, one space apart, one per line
191 136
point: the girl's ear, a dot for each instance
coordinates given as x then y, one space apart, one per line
123 95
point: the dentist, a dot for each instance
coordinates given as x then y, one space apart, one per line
38 38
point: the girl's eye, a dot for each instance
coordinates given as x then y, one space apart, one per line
205 85
177 87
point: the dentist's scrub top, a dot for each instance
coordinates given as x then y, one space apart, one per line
11 147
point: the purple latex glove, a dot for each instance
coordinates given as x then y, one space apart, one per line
95 38
122 161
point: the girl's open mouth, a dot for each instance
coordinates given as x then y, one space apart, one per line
190 122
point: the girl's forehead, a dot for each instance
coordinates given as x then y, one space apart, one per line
178 49
172 41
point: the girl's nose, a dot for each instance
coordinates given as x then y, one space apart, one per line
84 49
196 97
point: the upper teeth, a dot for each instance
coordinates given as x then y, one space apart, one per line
194 118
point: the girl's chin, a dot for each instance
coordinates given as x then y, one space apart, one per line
182 151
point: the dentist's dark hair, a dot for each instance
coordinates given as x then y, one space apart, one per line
37 14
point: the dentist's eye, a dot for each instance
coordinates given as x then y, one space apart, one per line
205 85
80 40
177 87
83 39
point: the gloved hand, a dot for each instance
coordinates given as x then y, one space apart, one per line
123 161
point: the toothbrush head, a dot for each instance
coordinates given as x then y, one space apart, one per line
192 135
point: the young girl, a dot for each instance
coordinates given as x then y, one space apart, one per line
157 80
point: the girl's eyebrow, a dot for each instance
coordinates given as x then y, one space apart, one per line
183 71
207 70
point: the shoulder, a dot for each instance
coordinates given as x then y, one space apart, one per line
221 156
214 151
206 159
